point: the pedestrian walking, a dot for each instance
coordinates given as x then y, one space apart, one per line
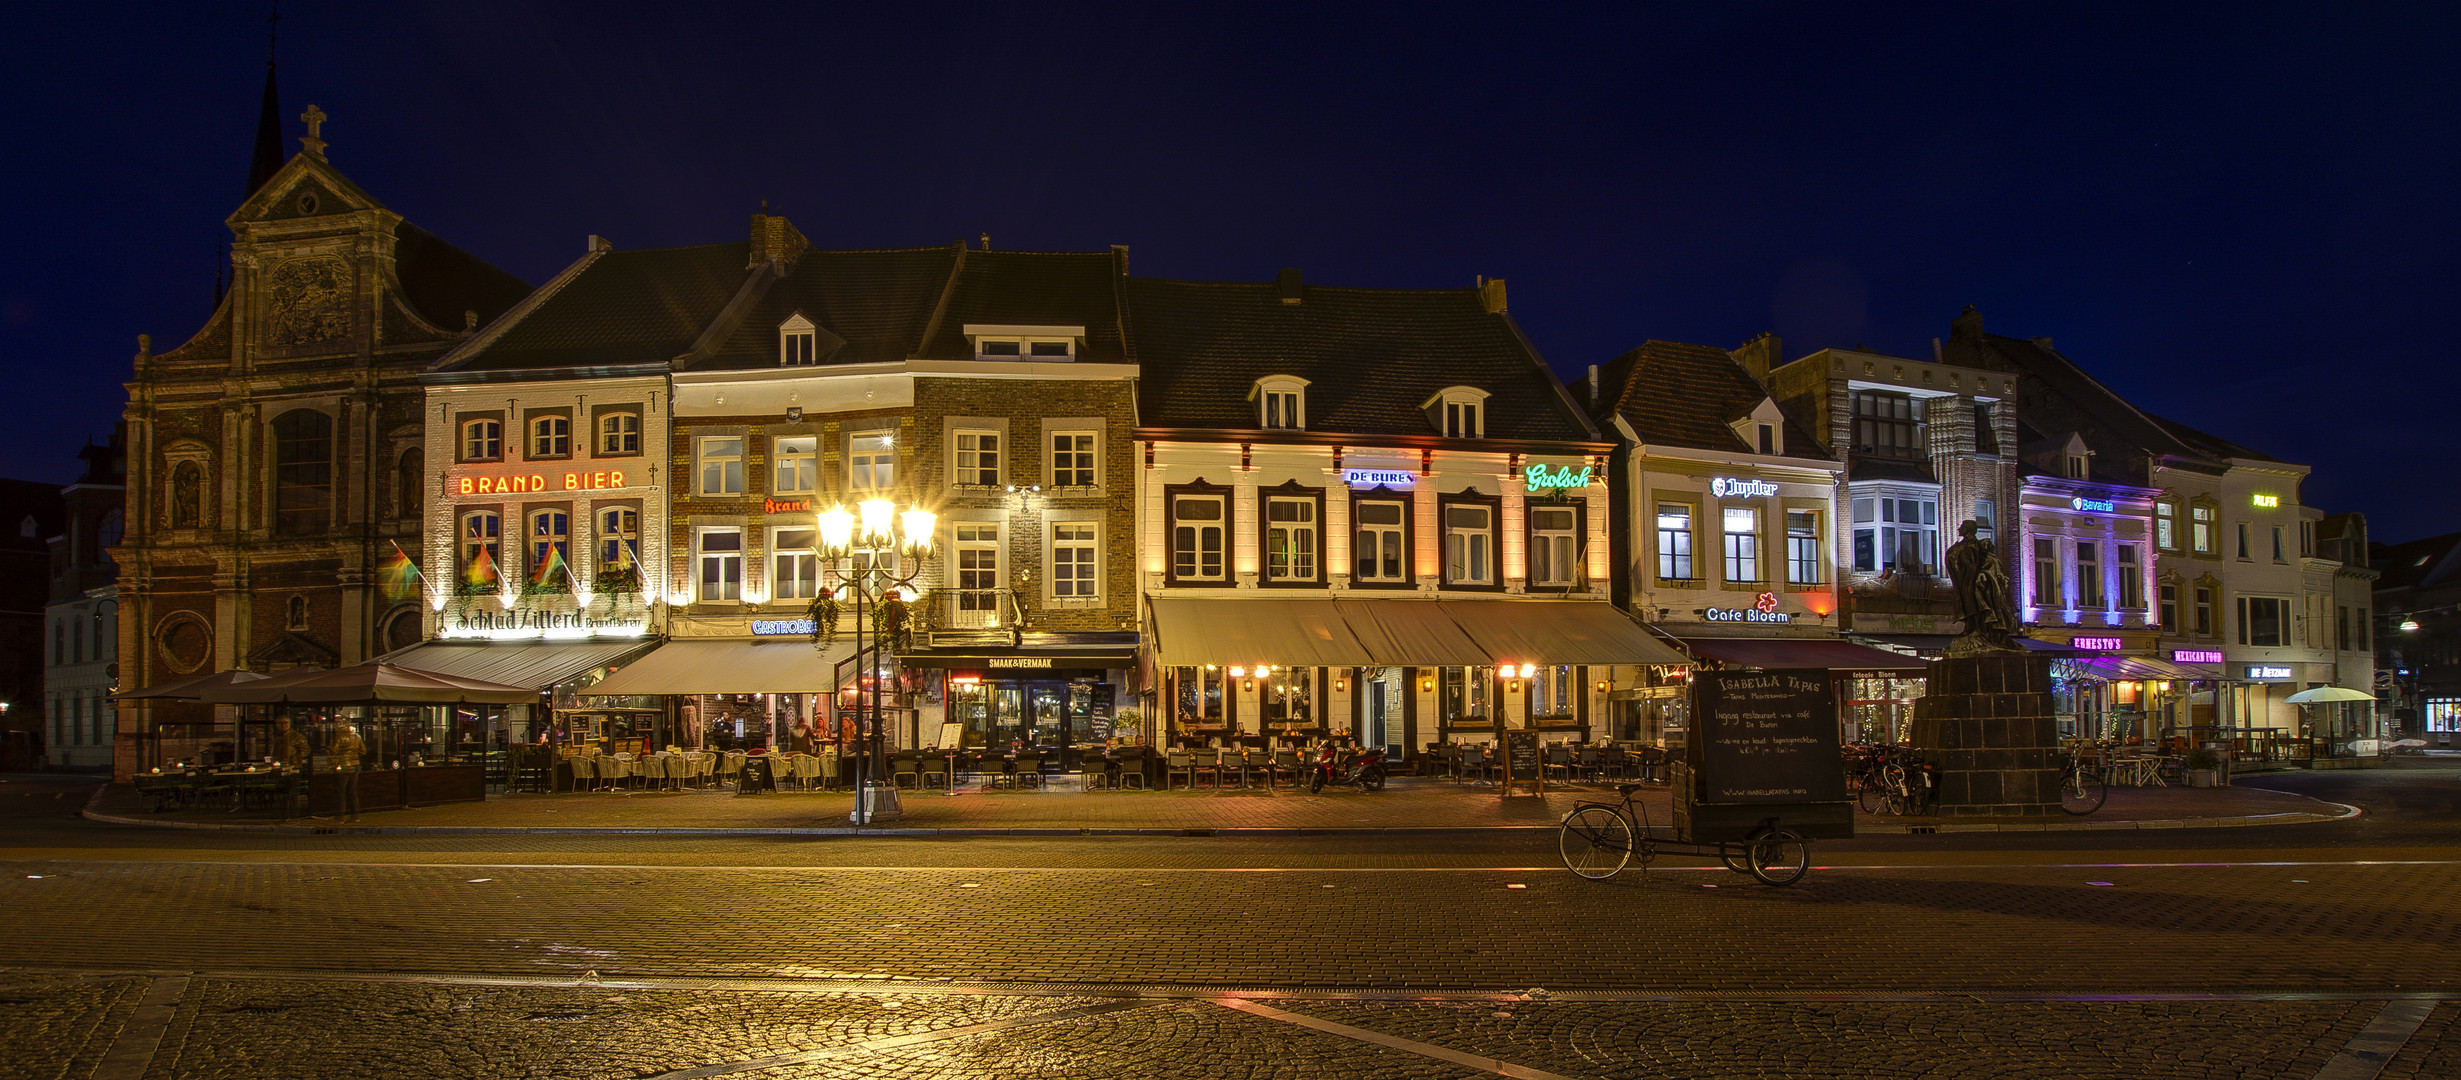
293 744
346 749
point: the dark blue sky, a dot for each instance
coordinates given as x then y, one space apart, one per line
2239 216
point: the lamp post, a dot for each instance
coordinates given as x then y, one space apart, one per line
873 528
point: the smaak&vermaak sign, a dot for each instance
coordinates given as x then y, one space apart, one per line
1766 737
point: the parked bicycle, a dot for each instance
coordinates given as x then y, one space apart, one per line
1598 839
1891 779
2084 785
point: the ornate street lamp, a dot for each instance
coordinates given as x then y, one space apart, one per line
876 528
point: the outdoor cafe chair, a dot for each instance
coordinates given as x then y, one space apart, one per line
1179 763
585 771
1132 765
1474 764
1029 767
901 767
935 765
1208 762
1285 765
995 771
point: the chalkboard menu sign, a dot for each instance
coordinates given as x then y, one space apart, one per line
1521 759
1766 737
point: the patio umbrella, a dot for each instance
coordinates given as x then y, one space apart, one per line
191 688
2327 693
371 684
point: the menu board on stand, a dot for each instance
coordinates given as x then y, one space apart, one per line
1523 763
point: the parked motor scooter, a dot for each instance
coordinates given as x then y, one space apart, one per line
1362 767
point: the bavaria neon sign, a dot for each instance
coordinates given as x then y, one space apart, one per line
2098 506
1555 478
1726 488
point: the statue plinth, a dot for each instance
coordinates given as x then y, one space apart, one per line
1986 720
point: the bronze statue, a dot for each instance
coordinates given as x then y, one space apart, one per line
1984 599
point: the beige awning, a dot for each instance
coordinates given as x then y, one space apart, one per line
522 663
1411 633
1557 632
735 666
1283 633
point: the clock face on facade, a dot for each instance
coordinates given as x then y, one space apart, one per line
307 301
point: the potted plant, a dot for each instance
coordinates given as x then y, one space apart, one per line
2203 767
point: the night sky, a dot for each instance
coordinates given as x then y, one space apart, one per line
2241 218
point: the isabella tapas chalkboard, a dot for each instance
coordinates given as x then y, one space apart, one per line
1766 737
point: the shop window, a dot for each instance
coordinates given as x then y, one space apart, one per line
1675 542
1803 549
1196 536
1554 546
1290 539
482 548
1289 696
619 538
2088 574
794 561
551 437
550 547
1742 532
978 574
1383 550
795 465
1553 692
2169 614
1073 563
721 466
871 461
1197 696
619 434
2131 578
721 563
978 459
1469 544
302 472
482 440
1464 694
2046 572
2263 620
1072 459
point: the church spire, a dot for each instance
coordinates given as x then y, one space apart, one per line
268 120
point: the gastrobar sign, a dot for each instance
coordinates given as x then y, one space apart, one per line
1725 487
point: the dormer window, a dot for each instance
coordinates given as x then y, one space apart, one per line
797 343
1763 430
2074 458
1039 344
1456 410
1765 437
1281 402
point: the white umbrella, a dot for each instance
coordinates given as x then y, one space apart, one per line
2327 693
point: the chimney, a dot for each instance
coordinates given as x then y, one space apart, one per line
1760 355
1593 385
1967 326
774 239
1937 356
1120 252
986 241
1491 295
1287 286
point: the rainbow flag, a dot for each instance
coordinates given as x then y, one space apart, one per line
482 570
399 577
554 566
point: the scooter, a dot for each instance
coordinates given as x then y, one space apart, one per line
1336 765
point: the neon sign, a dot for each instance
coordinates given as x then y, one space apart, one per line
2196 656
2268 501
783 627
2267 671
1726 488
1763 610
1555 478
522 485
785 506
2099 644
1368 478
2098 506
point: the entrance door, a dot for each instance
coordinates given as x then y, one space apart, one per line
1374 735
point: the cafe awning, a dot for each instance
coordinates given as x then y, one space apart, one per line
370 683
1284 633
192 688
1557 632
539 664
784 666
1411 633
2135 667
1779 653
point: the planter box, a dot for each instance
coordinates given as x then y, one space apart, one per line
2202 777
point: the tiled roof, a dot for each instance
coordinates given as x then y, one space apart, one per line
1677 394
1866 467
1038 288
2213 445
628 307
1371 357
442 281
2056 396
877 302
2418 563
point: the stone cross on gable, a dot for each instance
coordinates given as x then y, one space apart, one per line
315 119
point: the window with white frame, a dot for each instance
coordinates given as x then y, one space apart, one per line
1073 561
2131 577
1554 546
1073 458
978 573
2166 525
619 538
2264 620
977 459
2088 574
1803 550
794 564
1196 536
721 563
1280 402
796 345
482 547
482 440
1043 350
721 465
550 547
794 463
2046 572
1742 530
1469 544
2202 518
619 433
1675 541
1986 518
1456 410
551 436
871 461
1290 539
1383 546
2168 592
1896 532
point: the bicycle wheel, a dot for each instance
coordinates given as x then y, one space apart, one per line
1781 858
2082 791
1871 792
1595 841
1738 856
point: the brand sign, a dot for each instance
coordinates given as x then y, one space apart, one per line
1018 661
532 623
2267 671
1368 478
1763 610
1554 478
2268 501
784 627
786 506
530 482
2099 506
2196 656
1730 488
2102 644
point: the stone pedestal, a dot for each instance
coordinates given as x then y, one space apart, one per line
1986 721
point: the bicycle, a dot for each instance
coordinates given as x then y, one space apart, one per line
2083 785
1597 840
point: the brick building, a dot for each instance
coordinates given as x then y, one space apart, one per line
277 456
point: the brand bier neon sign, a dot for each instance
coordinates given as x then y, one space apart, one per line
518 485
